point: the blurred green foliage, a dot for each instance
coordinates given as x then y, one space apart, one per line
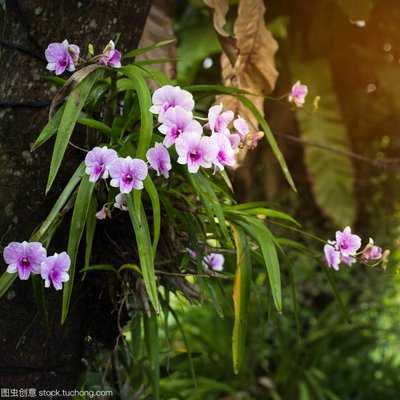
348 53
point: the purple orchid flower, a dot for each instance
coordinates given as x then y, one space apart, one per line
128 173
54 270
61 56
196 151
121 202
214 261
175 122
372 252
111 56
98 162
24 258
332 256
298 94
103 213
218 121
347 243
170 96
159 159
241 126
225 155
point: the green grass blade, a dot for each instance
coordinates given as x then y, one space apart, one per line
136 52
49 130
153 350
6 280
97 125
78 221
155 203
74 104
61 201
241 297
144 246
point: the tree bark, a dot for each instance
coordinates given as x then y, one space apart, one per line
31 356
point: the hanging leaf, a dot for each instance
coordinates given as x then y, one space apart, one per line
75 102
78 221
220 9
254 68
241 296
332 174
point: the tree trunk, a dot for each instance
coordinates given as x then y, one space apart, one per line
31 356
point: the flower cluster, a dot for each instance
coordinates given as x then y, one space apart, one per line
174 107
345 250
194 148
31 257
63 57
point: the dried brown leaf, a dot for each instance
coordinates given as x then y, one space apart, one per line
220 9
254 68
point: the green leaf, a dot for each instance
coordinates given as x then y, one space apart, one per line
153 349
99 267
97 125
78 221
6 280
241 297
332 174
60 203
211 202
146 117
90 231
144 246
50 129
266 241
136 52
190 56
74 104
155 203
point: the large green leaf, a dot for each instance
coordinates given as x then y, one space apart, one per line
6 280
267 243
74 104
241 296
332 174
195 44
78 221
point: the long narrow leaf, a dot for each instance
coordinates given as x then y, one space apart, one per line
77 226
241 296
155 203
6 280
50 129
75 102
90 230
144 246
61 201
153 349
265 240
136 52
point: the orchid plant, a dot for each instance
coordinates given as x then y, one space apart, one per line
157 162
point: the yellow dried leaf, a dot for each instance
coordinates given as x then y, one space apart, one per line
220 9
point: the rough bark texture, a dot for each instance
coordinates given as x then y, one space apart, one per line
30 356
